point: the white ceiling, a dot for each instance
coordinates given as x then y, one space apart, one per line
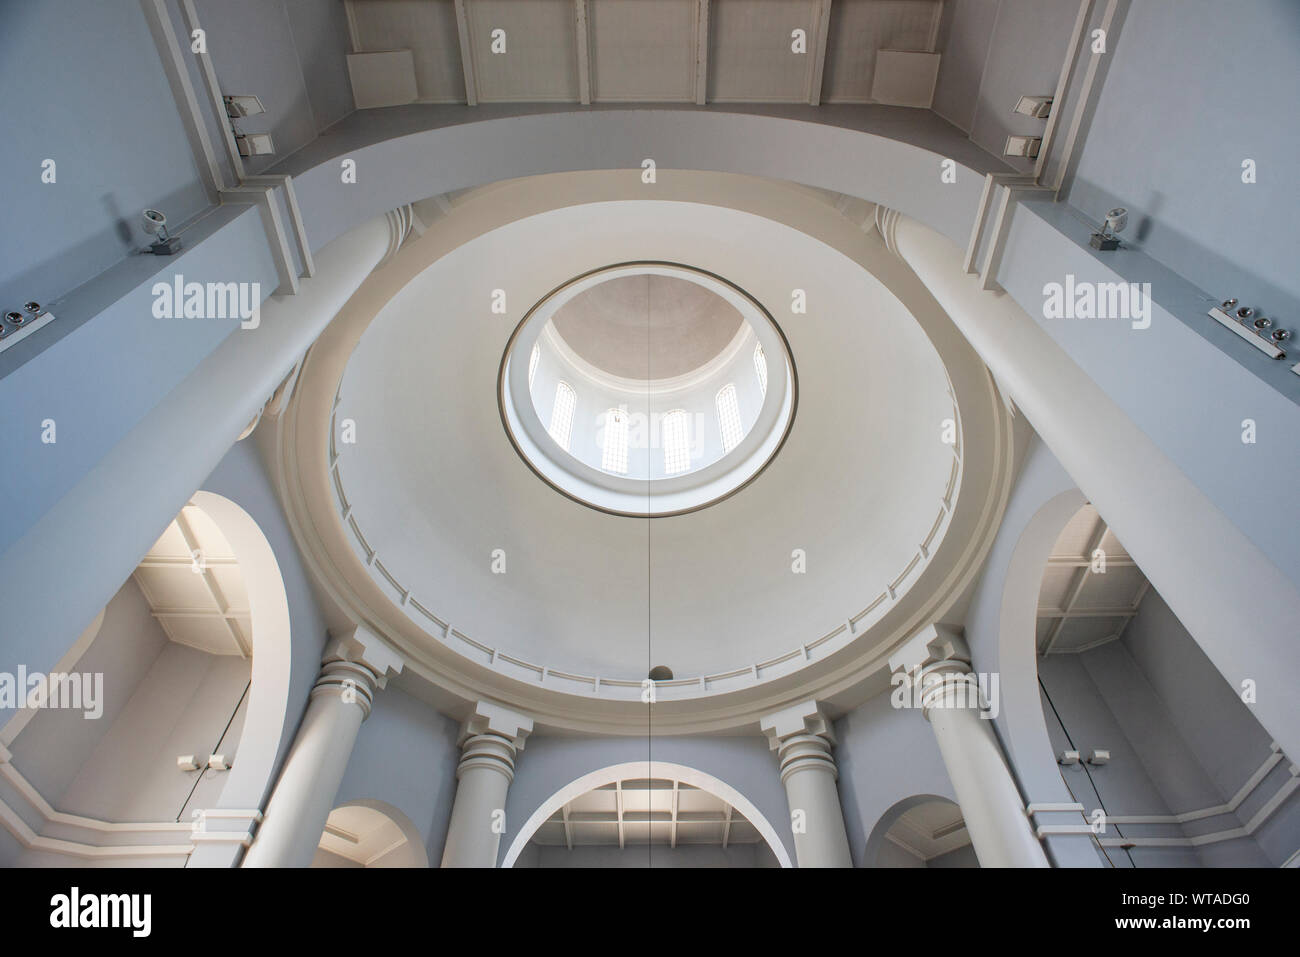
657 811
645 50
361 835
193 584
1078 608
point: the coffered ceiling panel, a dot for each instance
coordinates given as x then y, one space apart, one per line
643 50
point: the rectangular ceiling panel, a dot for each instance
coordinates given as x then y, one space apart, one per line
425 27
643 50
861 27
537 56
751 59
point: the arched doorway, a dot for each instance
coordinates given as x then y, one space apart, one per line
924 830
370 833
657 810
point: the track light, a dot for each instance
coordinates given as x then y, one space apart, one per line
237 106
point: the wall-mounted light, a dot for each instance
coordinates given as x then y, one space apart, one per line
1068 758
218 762
1039 107
1111 227
155 224
254 144
237 106
1026 146
1098 757
186 762
18 324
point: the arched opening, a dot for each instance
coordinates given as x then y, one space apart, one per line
370 833
1168 762
160 711
923 830
655 807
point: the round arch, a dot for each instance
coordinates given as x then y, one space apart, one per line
412 853
268 697
1017 658
653 769
876 839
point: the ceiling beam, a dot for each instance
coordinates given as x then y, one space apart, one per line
1127 612
1076 589
618 805
584 53
672 837
701 52
726 828
817 68
191 542
466 53
568 829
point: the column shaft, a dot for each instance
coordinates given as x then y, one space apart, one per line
486 768
809 775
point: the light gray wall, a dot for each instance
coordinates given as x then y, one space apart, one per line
406 756
255 49
964 39
1170 133
55 744
885 755
84 87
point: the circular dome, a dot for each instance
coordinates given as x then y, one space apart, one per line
647 388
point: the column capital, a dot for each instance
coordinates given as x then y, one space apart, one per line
356 664
487 717
933 644
806 717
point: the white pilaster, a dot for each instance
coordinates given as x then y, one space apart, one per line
802 737
355 666
937 662
490 739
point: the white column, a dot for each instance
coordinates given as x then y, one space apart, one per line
138 487
1239 607
937 664
802 738
354 667
489 741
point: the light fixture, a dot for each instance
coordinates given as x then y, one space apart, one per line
1068 758
1039 107
1026 146
218 762
155 224
186 762
18 324
254 144
1254 328
660 673
1098 757
1111 227
237 106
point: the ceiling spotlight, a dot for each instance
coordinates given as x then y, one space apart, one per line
155 224
254 144
1039 107
1026 146
1114 224
237 106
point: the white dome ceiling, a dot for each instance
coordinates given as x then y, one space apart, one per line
437 490
448 535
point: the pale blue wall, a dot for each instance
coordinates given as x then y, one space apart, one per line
83 86
1195 87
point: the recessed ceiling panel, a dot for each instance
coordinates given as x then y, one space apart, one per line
861 27
751 59
642 50
425 27
536 43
